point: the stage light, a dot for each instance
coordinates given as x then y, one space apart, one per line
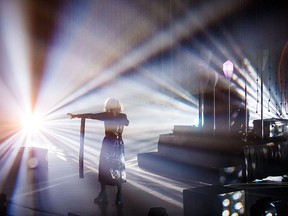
233 203
64 88
214 200
228 71
32 123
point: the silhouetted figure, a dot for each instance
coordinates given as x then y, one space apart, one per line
111 162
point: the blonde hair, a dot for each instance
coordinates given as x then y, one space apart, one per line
112 104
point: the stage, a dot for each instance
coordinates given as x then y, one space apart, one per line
59 191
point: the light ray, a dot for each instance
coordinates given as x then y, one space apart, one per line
83 68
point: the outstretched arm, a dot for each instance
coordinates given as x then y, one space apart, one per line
71 115
97 116
84 115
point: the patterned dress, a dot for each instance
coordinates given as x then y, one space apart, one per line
112 161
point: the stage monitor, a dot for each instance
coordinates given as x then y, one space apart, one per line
215 200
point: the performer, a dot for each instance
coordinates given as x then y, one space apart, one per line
111 162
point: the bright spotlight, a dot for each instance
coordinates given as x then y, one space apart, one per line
233 203
32 123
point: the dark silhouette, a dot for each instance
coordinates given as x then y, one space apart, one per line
111 162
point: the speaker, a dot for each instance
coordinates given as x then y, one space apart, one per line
37 158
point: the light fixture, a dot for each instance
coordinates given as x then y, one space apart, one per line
228 72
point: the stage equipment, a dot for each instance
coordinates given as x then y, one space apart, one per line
190 153
270 159
81 148
37 158
3 204
228 72
31 157
29 163
157 211
273 129
263 206
213 200
255 199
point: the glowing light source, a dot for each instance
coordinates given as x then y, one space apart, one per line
64 89
32 123
233 203
226 202
228 69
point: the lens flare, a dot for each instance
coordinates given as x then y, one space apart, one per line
32 123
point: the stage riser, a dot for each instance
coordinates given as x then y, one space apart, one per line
234 145
211 159
190 148
156 163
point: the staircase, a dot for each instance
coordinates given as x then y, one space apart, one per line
189 153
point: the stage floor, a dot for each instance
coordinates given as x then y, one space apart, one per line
59 191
